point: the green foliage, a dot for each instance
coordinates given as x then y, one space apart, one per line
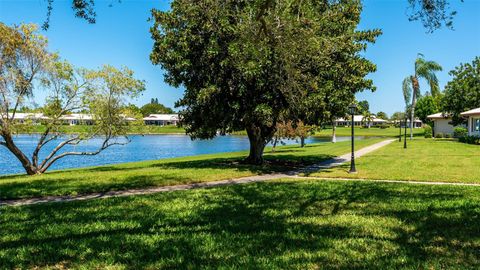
428 131
363 107
462 93
399 116
470 139
246 65
439 135
427 105
155 108
459 132
382 115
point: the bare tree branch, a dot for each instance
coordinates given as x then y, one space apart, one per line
106 144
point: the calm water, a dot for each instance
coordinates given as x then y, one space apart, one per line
141 148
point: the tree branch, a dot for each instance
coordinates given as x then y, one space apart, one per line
106 144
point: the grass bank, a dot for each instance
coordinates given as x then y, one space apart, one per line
284 224
423 160
360 131
166 172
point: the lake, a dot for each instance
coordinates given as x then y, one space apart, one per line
149 147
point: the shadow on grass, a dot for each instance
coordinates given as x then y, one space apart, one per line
263 225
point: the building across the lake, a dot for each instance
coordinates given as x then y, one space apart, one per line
358 120
161 119
71 119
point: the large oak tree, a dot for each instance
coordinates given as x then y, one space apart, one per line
245 65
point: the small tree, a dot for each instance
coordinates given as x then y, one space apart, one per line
425 106
24 64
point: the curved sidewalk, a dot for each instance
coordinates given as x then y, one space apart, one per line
250 179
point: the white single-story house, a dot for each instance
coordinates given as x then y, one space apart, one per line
69 119
161 119
23 117
77 119
358 121
473 120
442 123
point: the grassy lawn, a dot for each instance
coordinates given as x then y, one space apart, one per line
166 172
359 131
423 160
284 224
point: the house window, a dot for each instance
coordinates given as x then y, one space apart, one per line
476 125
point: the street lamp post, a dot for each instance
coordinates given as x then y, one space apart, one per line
405 138
400 131
352 108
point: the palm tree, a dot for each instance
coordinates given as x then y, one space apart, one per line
411 86
367 118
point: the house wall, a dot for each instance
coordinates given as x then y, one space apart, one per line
474 125
442 126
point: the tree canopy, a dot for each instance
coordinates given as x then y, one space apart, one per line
427 105
382 115
433 14
245 65
155 108
462 93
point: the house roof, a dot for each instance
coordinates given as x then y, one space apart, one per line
439 115
475 111
162 117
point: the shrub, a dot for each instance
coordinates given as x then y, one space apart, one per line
475 139
428 131
439 135
447 135
459 132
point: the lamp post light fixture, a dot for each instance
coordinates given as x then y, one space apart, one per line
352 108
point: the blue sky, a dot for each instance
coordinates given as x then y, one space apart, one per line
121 37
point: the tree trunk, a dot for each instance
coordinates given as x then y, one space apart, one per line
302 141
26 163
334 132
258 137
414 102
275 141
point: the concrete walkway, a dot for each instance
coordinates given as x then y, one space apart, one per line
256 178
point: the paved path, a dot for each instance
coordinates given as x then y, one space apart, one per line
256 178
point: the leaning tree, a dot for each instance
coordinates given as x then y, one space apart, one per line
246 65
26 68
411 85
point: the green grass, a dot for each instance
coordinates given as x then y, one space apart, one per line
284 224
166 172
387 132
423 160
